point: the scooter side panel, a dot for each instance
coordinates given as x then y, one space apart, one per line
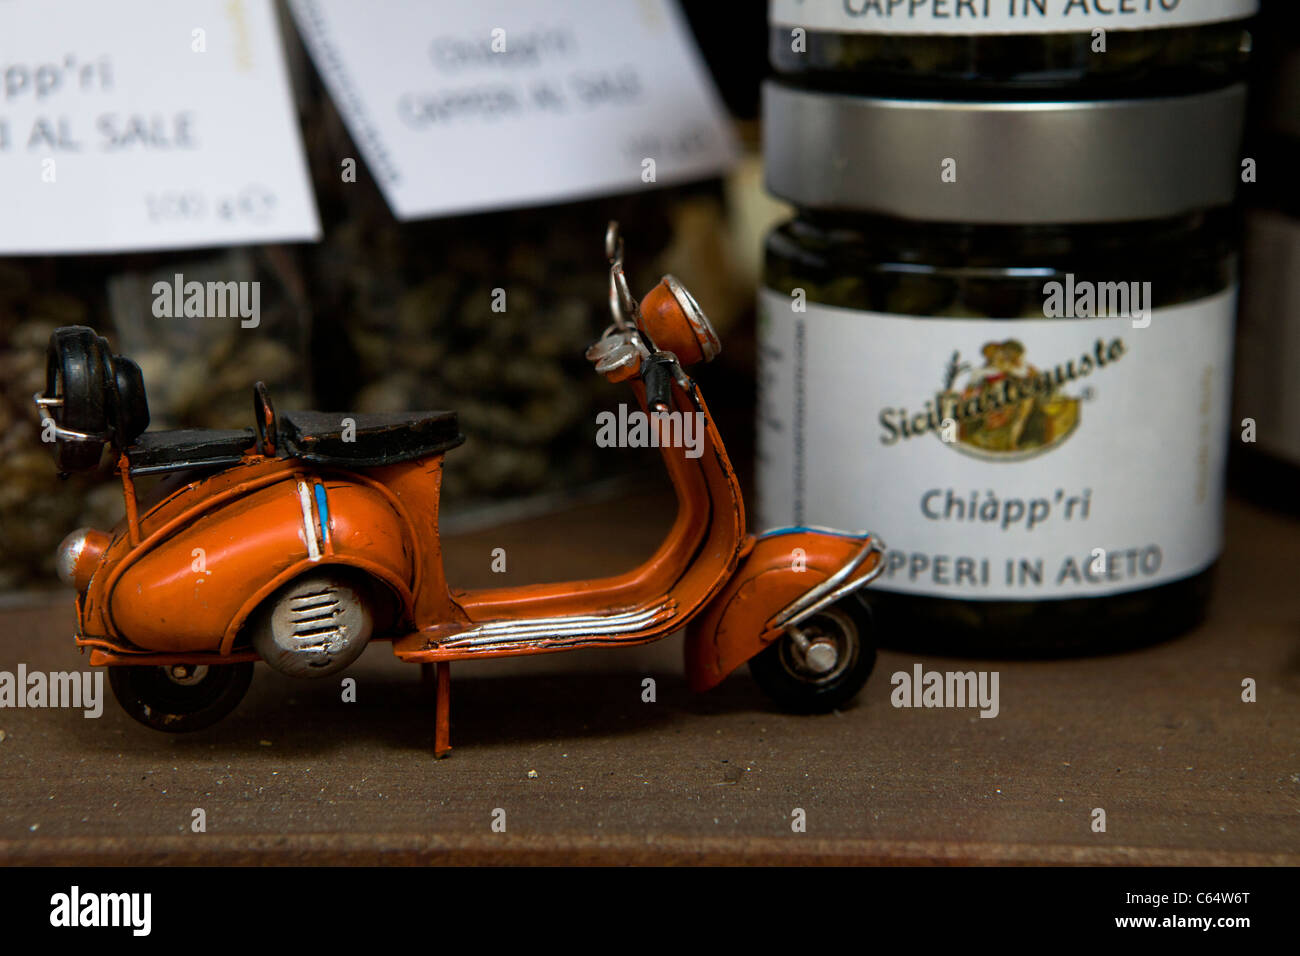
778 569
173 502
183 593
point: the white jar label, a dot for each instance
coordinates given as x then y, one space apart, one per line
969 17
1001 460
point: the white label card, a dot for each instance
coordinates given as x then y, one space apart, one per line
460 106
146 124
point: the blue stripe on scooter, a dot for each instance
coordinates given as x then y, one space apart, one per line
797 529
323 509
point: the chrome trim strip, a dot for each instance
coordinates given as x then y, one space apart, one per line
308 526
838 585
573 625
66 434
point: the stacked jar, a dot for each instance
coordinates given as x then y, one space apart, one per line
998 330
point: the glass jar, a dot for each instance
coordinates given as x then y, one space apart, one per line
1023 48
952 365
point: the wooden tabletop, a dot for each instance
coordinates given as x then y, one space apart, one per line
582 770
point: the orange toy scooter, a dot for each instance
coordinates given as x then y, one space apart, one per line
299 541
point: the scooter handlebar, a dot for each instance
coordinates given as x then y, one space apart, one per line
657 375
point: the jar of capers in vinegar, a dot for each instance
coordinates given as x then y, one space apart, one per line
999 336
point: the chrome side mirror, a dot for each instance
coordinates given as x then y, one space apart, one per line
613 243
622 306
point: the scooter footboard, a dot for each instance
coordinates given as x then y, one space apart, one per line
783 576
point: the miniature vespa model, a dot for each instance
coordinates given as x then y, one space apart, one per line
298 542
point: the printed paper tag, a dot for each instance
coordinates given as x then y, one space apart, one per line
146 124
460 107
969 17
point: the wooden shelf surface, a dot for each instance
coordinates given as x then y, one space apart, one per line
586 772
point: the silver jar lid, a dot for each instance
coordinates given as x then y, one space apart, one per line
1015 163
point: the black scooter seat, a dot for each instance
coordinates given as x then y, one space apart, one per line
176 449
356 439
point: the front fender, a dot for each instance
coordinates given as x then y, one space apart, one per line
775 569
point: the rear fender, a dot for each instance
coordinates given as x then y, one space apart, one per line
249 544
776 569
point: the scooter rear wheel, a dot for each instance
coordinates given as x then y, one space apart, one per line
182 698
827 673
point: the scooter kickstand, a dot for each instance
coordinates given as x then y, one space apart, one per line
442 719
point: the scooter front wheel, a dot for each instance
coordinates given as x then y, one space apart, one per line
822 665
179 698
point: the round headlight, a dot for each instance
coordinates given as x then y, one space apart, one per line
674 322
